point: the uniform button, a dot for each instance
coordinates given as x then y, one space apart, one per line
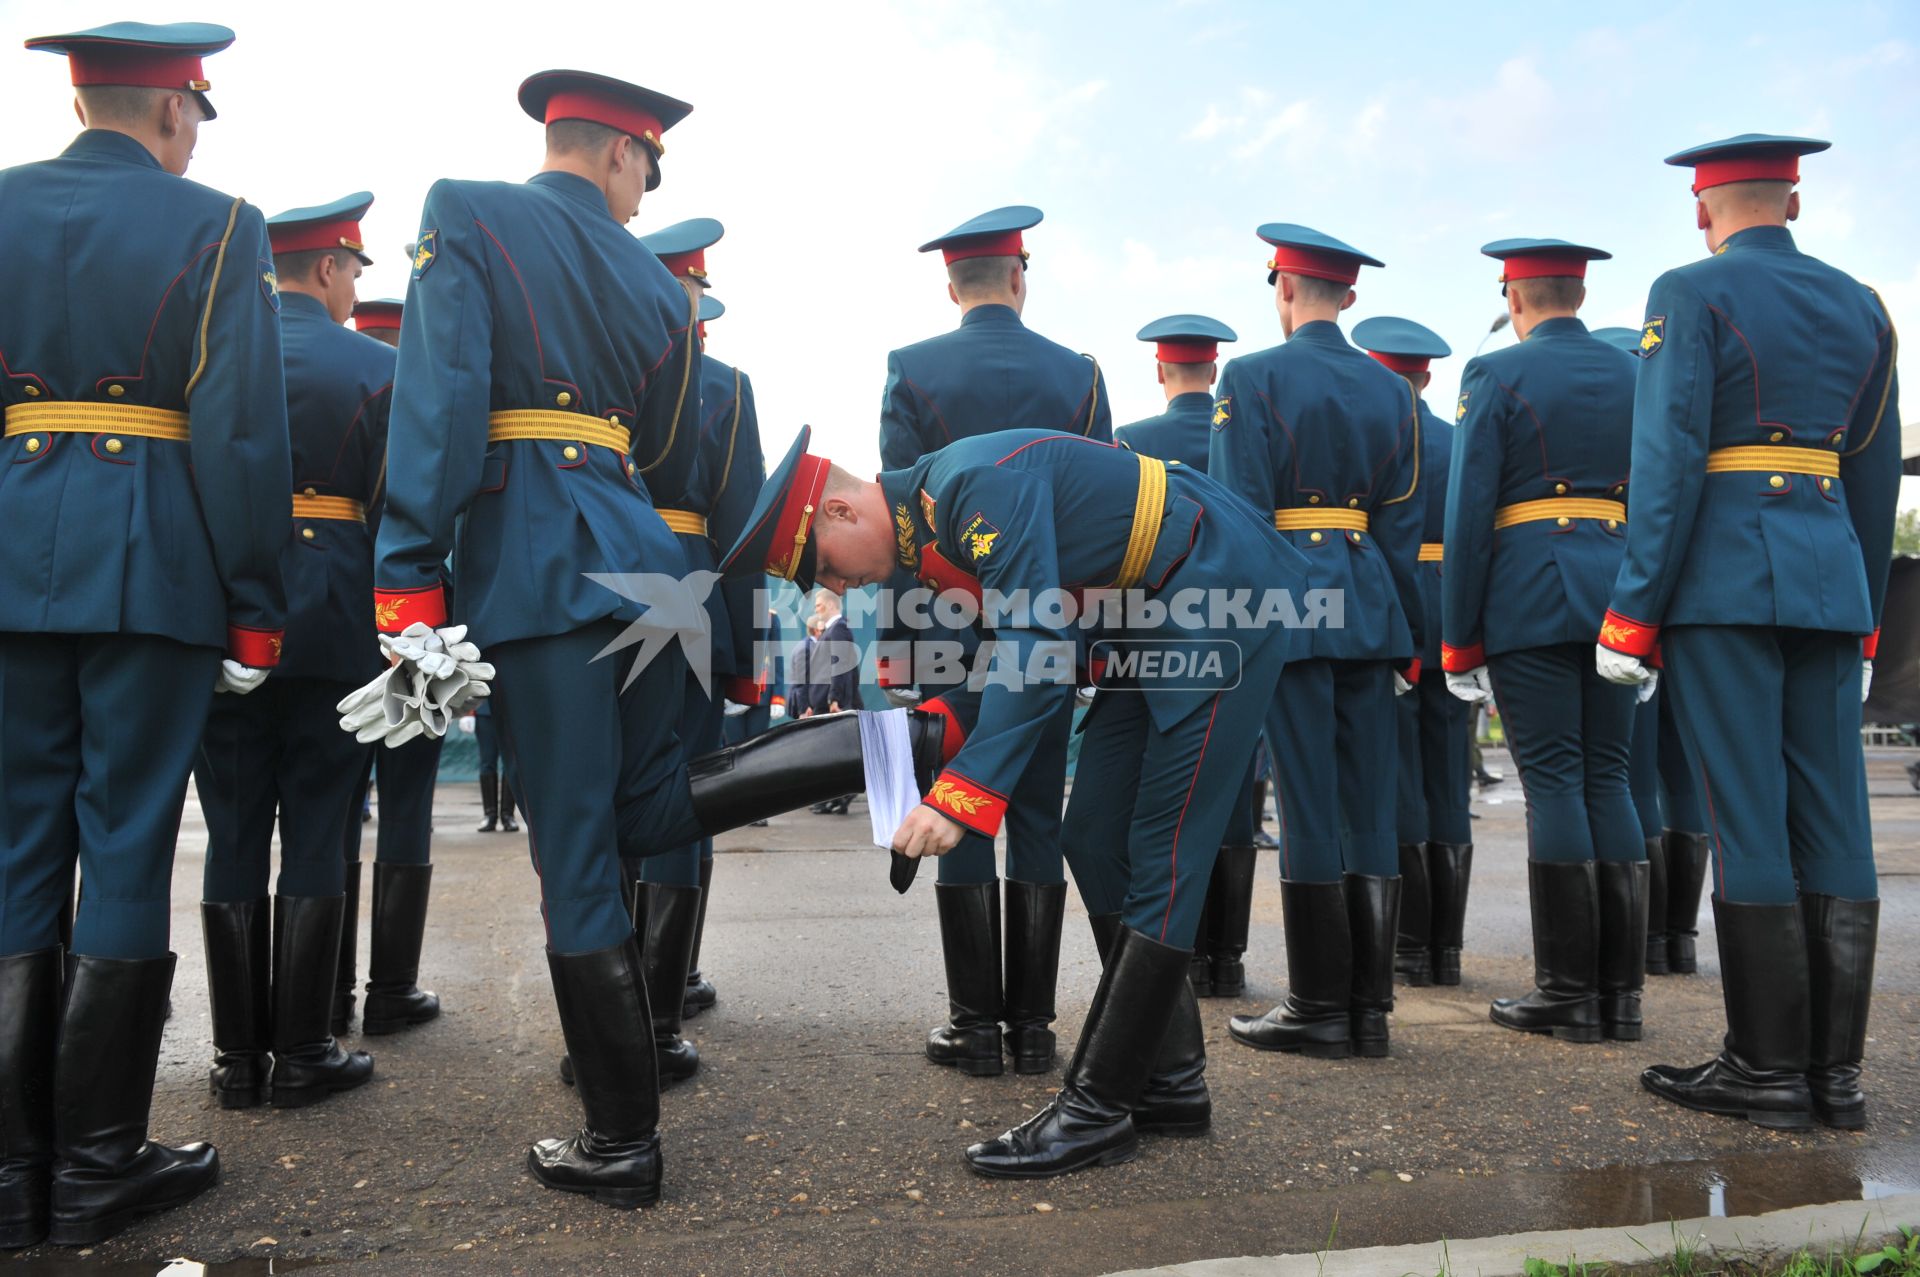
1776 436
1560 489
307 533
1171 464
613 418
1612 524
1353 503
116 391
33 445
32 392
1355 537
1826 485
630 467
563 399
1564 522
1618 488
570 452
1315 537
1775 481
1314 499
114 445
312 492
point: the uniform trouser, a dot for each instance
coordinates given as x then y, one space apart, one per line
278 751
487 740
1643 765
1240 821
1435 774
1570 731
701 717
1334 739
1680 806
97 736
600 770
1770 719
406 776
1033 809
1151 803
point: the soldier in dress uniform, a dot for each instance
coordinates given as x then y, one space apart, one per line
992 374
1436 832
1328 441
1187 351
403 842
1536 521
278 755
1037 514
1766 462
144 482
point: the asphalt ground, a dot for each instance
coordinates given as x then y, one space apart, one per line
817 1139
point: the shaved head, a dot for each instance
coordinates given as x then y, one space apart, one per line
1744 200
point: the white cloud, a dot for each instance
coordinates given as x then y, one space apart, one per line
1296 124
1213 124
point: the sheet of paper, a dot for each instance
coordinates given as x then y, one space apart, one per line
886 751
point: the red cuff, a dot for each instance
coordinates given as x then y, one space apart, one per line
740 690
1870 644
1458 660
255 649
1625 635
960 800
1412 672
955 734
395 610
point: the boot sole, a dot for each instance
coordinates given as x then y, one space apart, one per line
1371 1050
972 1066
1843 1120
241 1099
1031 1064
22 1236
1770 1121
1622 1032
91 1232
1112 1157
1560 1032
380 1028
1312 1050
308 1096
618 1198
1174 1130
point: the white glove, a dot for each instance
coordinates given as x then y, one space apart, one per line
776 712
241 679
1629 671
468 724
902 697
734 709
1471 686
1866 680
381 708
1400 685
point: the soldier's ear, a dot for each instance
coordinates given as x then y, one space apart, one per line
1351 296
1793 207
1160 373
1704 219
953 294
79 112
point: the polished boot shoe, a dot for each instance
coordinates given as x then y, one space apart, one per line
239 991
1175 1100
347 978
1413 942
970 943
1761 1071
395 1000
106 1174
1229 908
30 992
489 801
1449 872
1031 917
700 995
1090 1120
1623 946
308 1064
802 761
1841 938
508 825
1686 878
1314 1019
664 919
1565 1001
1657 907
1373 908
1200 966
615 1158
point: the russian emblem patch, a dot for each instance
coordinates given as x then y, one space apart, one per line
270 287
425 251
1222 412
1653 335
1460 409
979 537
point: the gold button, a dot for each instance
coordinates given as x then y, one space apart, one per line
33 445
1776 481
563 399
1314 499
1826 485
1564 522
629 467
1776 436
116 391
1315 537
32 392
1355 537
307 533
1353 503
1560 489
114 445
1612 524
312 492
613 418
570 452
1172 463
1618 488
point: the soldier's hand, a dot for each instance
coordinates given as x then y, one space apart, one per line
1471 686
239 679
1618 667
925 832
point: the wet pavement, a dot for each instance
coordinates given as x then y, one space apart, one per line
817 1139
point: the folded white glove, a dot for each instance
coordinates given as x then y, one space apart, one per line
1618 667
425 648
902 697
241 679
734 709
1472 685
468 724
1866 680
1400 685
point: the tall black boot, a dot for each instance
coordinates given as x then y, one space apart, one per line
1686 878
1373 909
1841 938
1565 903
347 978
1032 918
1314 1018
239 990
395 1000
490 801
700 995
615 1157
664 919
1449 873
1175 1100
106 1174
1229 910
508 825
1761 1071
1090 1120
970 943
1413 943
30 993
1657 907
802 761
1261 838
308 1064
1200 966
1623 946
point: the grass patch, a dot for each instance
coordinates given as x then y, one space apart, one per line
1896 1256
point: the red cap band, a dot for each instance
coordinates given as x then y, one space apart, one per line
1744 168
679 264
1304 261
1542 266
1187 352
372 318
600 108
795 522
1402 363
303 237
1003 245
137 68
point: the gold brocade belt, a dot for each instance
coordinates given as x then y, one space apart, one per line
1317 520
1149 508
545 423
1723 460
346 509
1562 510
686 521
96 419
1432 551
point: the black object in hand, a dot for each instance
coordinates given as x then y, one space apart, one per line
900 873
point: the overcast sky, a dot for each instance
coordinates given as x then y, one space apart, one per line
1156 134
